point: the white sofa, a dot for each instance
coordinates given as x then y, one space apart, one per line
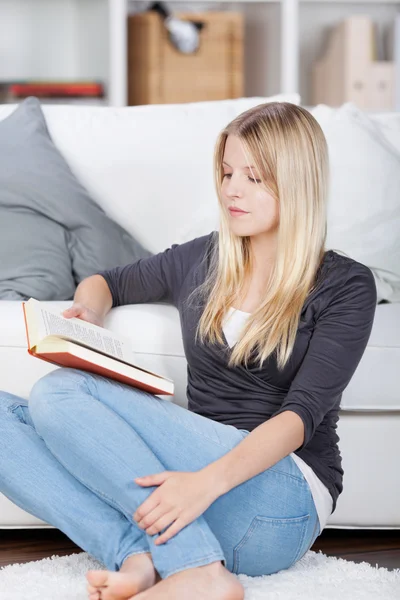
169 199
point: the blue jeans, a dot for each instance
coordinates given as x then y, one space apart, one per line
70 457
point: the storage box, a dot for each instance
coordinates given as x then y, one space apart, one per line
158 73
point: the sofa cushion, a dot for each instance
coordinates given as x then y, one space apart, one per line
53 233
156 338
364 202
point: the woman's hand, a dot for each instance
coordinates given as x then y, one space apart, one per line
80 311
180 498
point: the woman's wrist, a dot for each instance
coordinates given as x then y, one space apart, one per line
93 293
214 481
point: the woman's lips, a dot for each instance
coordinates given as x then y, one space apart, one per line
237 213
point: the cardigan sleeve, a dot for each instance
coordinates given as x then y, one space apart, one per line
339 339
157 278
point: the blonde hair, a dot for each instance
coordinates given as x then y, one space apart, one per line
289 150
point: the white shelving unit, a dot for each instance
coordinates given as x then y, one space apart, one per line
117 60
87 39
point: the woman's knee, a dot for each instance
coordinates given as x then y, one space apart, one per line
46 390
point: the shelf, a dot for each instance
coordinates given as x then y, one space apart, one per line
210 2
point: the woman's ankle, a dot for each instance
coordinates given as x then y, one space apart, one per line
131 562
142 561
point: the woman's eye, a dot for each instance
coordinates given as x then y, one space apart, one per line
229 175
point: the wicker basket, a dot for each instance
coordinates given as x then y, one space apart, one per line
158 73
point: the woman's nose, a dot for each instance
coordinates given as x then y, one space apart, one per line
233 189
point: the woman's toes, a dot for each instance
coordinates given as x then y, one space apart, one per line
97 578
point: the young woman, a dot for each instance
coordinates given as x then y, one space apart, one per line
274 326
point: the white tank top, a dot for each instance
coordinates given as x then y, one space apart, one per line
232 326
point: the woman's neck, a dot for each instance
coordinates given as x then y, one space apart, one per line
252 293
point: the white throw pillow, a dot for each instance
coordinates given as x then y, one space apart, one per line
389 124
364 200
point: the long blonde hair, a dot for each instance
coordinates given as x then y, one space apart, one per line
290 153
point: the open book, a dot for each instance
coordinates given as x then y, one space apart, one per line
81 345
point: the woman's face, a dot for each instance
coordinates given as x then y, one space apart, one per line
242 188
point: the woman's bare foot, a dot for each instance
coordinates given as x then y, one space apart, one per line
136 574
212 581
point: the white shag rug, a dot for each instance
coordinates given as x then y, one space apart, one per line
315 576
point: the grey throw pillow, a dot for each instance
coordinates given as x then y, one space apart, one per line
52 233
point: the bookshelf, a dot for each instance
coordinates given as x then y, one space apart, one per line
87 39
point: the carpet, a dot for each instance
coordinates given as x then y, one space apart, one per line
315 576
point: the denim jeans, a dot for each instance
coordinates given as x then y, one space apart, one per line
70 455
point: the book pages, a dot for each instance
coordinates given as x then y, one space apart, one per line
52 323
